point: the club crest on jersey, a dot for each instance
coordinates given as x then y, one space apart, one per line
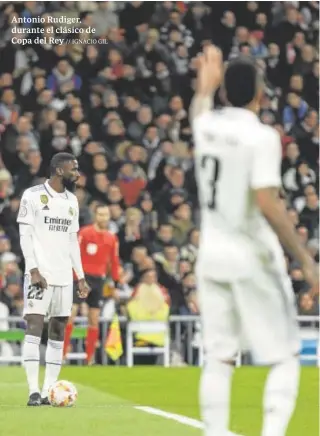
71 211
23 212
44 199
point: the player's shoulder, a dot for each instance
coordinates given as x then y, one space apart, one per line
34 191
84 230
110 236
204 119
113 236
72 198
269 132
267 136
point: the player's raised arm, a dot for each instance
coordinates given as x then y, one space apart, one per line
26 229
209 78
266 181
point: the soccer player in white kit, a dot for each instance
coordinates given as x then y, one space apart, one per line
48 223
245 294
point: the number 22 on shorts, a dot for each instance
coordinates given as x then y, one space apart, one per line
35 293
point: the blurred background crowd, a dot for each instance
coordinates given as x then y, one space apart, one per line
121 107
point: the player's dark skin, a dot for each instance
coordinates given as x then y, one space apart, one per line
68 172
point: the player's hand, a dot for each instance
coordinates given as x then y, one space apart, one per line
210 70
311 276
83 288
38 280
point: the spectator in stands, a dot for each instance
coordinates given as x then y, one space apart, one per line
307 306
190 250
130 234
131 182
149 301
63 78
164 236
182 223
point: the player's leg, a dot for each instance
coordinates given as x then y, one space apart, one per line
69 327
221 345
268 305
54 353
59 312
280 396
36 306
94 301
31 355
282 385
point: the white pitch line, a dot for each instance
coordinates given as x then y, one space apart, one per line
178 418
173 416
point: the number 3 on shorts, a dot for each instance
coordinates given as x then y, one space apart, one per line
35 293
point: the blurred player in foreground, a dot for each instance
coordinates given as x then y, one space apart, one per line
244 290
100 257
48 223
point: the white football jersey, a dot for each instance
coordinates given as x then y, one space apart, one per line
235 154
53 216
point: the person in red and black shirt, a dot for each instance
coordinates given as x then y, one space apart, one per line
100 258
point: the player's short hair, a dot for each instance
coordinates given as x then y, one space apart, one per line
63 59
165 224
58 160
241 81
100 206
170 244
140 247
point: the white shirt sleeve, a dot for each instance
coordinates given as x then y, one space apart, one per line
26 244
76 256
74 243
266 168
26 214
75 219
200 106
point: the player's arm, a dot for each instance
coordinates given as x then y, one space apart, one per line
208 80
115 261
266 182
76 256
25 219
75 241
82 239
83 288
200 105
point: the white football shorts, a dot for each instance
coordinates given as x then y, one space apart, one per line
55 301
257 315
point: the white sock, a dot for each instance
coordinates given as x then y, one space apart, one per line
54 356
280 397
31 361
215 387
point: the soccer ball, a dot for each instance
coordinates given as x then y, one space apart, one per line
62 394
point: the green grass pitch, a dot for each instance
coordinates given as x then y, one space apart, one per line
107 396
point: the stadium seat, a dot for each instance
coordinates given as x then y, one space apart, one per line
134 327
309 353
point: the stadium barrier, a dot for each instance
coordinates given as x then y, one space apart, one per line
182 345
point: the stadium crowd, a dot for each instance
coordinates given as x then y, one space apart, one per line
121 107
